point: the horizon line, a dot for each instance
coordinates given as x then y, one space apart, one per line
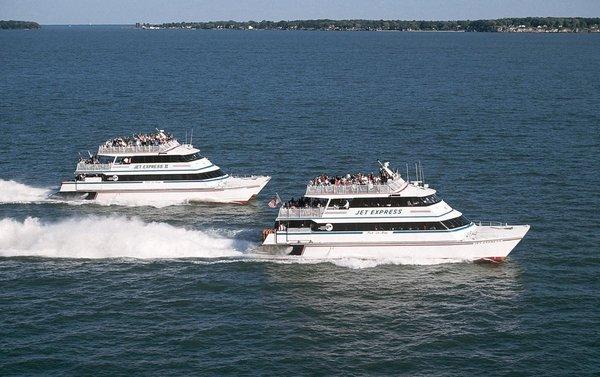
300 19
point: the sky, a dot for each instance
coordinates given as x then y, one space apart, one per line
49 12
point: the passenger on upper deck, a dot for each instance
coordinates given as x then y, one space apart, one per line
157 138
356 179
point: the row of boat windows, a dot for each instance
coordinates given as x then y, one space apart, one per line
456 222
158 159
390 201
365 227
165 177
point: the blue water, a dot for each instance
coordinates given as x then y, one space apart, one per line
505 125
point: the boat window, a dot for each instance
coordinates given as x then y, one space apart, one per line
392 201
166 177
105 159
294 224
123 160
367 227
370 227
154 159
339 203
191 157
456 222
305 202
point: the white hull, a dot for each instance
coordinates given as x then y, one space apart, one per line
482 243
227 190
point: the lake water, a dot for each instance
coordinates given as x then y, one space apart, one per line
505 125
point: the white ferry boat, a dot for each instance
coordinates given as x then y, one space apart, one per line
385 216
156 167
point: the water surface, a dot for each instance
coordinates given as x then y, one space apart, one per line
505 125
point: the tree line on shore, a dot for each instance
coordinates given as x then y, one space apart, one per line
11 24
570 23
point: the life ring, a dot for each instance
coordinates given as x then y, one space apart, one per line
115 177
328 227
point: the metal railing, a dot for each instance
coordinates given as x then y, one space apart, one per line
139 148
301 212
384 188
489 223
82 166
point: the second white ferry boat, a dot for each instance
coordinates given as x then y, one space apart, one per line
156 167
384 216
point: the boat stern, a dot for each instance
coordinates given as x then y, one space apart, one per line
268 237
68 186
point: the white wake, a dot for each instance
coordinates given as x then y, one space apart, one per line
12 192
15 192
113 237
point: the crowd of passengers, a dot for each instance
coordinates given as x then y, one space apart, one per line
153 139
348 180
92 160
305 203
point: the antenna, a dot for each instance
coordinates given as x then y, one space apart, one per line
407 176
417 172
192 135
186 137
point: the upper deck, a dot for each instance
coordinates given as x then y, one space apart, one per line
354 189
386 183
115 150
395 187
151 143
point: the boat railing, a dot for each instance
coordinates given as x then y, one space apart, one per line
82 166
382 188
103 149
301 212
247 176
489 223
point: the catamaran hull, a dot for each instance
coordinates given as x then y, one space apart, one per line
230 190
492 249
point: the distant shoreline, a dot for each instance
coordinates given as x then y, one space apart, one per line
503 25
16 25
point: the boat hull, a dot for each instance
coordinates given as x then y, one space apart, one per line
484 243
228 190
